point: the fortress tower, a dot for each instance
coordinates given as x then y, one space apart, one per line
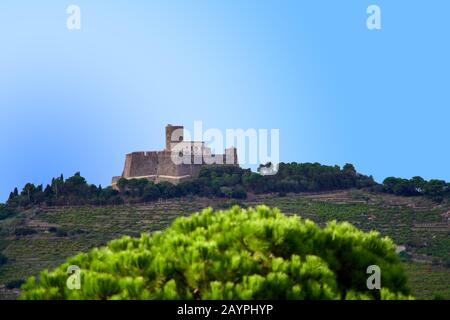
173 134
159 166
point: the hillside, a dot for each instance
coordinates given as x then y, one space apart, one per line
41 238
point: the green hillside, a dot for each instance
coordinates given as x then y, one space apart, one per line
41 238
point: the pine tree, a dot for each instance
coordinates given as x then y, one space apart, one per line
255 253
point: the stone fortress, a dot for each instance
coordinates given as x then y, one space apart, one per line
165 165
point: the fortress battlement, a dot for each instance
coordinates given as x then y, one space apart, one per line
146 153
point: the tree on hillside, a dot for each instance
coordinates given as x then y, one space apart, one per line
436 189
151 192
349 169
224 181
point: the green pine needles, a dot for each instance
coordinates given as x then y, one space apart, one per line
255 253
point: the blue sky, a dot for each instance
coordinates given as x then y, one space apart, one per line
79 100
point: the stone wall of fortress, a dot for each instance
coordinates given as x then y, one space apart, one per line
141 164
158 165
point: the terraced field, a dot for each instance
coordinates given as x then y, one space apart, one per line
42 238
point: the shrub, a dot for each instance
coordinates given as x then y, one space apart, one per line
61 233
19 232
151 192
6 212
239 193
3 259
14 284
446 262
76 232
255 253
405 256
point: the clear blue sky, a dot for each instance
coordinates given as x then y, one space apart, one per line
79 100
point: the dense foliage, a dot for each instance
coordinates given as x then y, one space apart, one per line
219 181
437 190
234 254
72 191
3 259
6 211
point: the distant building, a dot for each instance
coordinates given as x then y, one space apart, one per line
179 161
